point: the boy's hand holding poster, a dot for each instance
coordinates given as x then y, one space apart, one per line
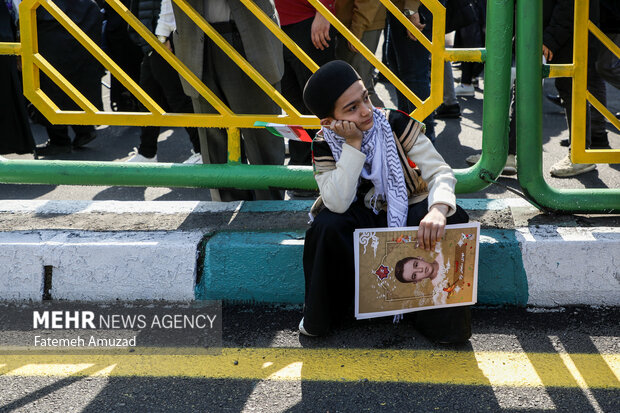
393 276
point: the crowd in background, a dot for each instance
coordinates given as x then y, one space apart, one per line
367 20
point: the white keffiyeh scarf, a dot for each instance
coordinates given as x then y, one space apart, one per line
382 167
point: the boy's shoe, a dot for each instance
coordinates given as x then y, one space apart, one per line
509 169
448 111
195 158
566 168
51 149
464 90
303 331
83 139
134 156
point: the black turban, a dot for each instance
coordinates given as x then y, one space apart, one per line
326 85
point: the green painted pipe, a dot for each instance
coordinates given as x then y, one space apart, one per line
496 104
529 126
158 174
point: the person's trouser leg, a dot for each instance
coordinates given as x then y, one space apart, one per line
598 123
370 39
564 87
413 64
608 65
148 82
449 95
171 87
296 74
242 96
329 267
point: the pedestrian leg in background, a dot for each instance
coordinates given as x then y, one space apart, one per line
147 151
565 167
450 108
174 96
370 39
413 66
242 95
296 74
608 65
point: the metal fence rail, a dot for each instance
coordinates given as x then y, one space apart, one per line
529 121
496 54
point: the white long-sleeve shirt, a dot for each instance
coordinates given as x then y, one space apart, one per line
338 187
166 23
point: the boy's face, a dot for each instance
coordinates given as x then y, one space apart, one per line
354 106
416 269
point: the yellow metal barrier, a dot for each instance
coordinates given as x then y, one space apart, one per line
583 26
33 63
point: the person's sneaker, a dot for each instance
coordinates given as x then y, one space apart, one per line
303 331
134 156
195 158
509 169
51 149
84 139
511 165
448 111
555 99
473 159
464 90
2 158
566 168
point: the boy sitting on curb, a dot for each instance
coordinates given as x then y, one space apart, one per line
374 168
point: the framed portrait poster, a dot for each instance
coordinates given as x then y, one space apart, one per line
394 276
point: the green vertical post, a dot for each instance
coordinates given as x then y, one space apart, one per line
529 125
496 104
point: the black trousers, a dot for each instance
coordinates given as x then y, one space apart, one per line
160 81
296 74
329 272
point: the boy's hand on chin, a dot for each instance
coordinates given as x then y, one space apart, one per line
432 227
349 131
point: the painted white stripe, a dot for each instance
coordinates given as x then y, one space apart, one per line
570 265
186 207
99 266
114 207
513 370
574 371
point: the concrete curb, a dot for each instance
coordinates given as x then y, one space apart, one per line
98 266
106 250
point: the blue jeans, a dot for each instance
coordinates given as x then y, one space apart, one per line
411 62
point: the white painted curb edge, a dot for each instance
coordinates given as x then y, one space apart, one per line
571 265
99 266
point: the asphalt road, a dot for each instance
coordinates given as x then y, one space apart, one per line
559 360
456 139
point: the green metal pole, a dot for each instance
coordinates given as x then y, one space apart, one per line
496 104
529 125
161 174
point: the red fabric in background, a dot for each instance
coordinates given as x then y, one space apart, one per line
294 11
